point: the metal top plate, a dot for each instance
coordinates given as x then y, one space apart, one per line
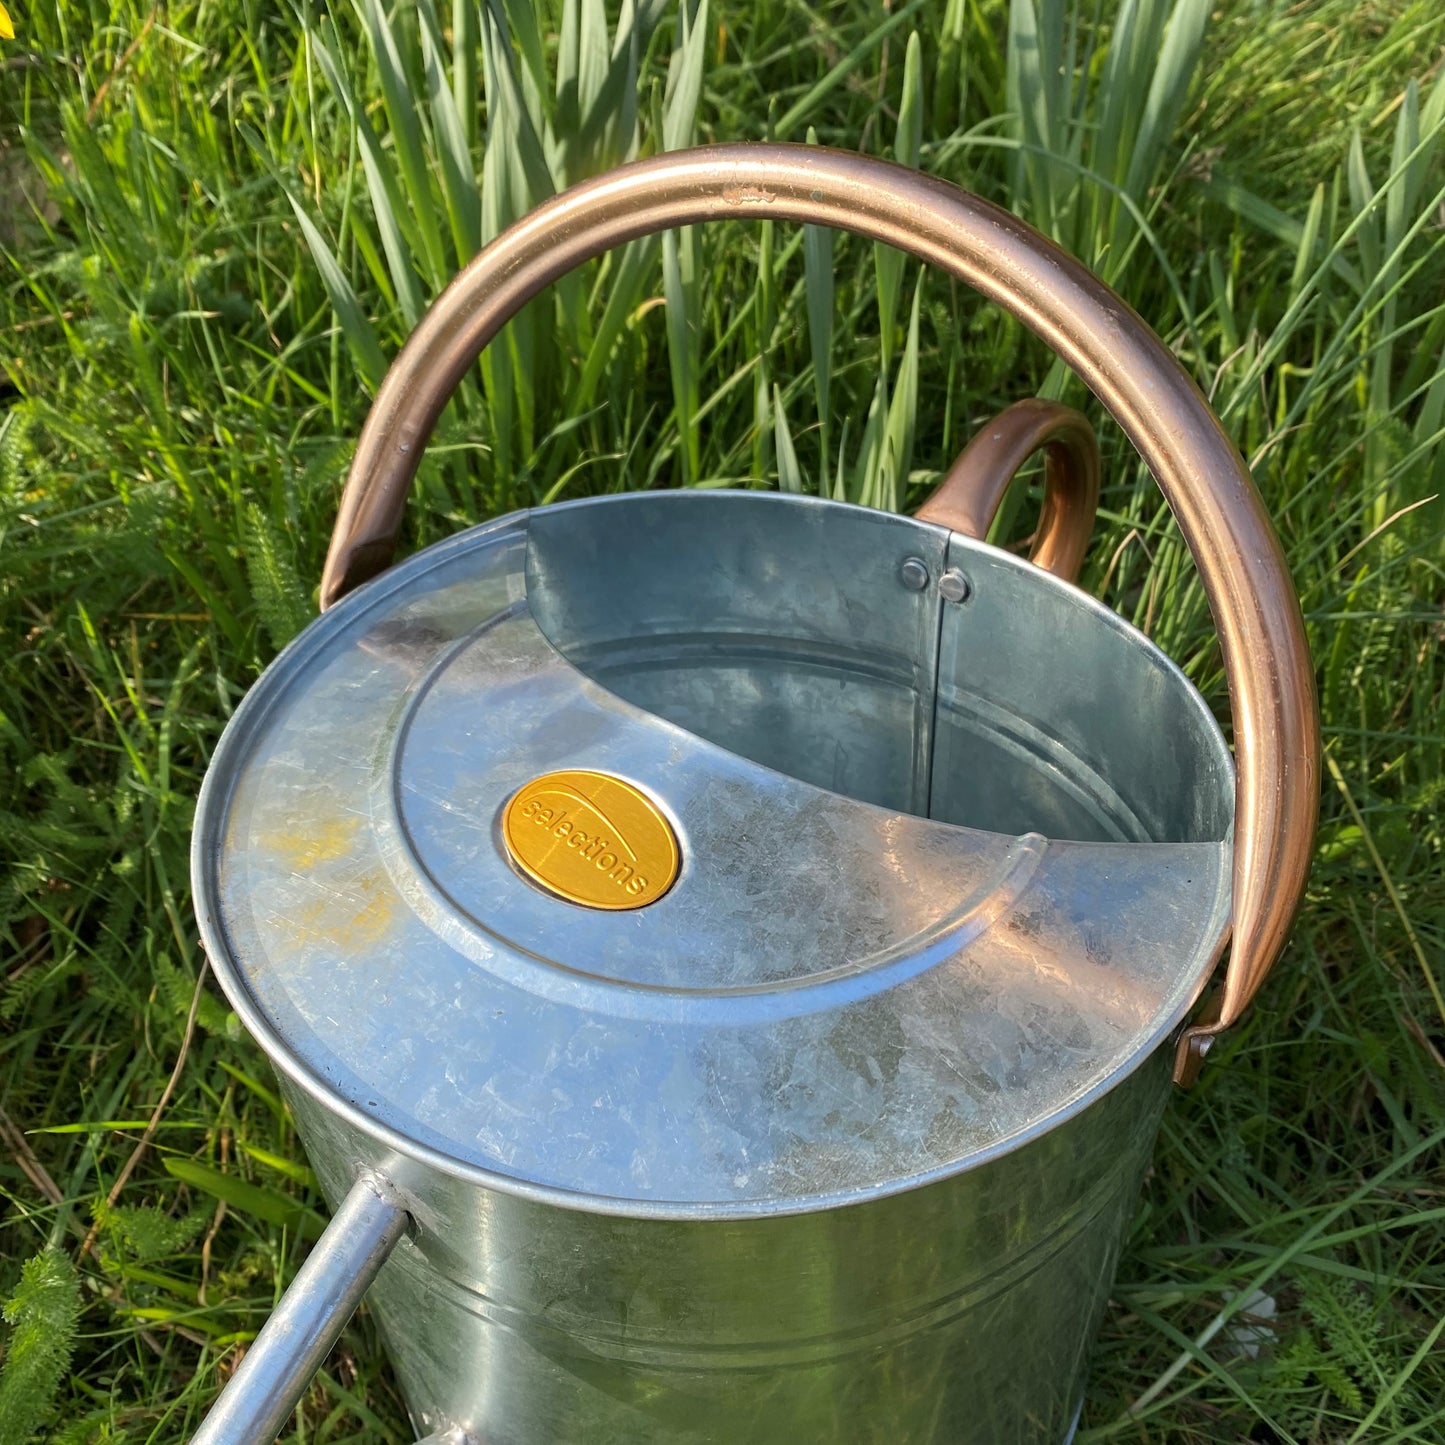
833 1001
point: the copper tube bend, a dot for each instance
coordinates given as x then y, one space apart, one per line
1109 347
968 498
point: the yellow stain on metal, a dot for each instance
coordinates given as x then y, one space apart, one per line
354 906
591 838
312 838
358 919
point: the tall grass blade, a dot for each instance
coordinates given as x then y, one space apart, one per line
1429 437
1177 60
515 178
818 289
630 270
356 328
1030 86
610 129
254 1199
681 260
950 77
865 487
393 219
902 415
762 425
684 78
594 49
765 324
466 76
801 111
1307 244
790 475
1362 202
684 344
499 379
1274 222
519 20
459 181
407 136
514 146
907 142
569 64
1408 163
1134 45
838 487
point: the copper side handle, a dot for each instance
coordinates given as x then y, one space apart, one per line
1261 630
968 498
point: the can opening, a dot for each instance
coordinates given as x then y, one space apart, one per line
798 637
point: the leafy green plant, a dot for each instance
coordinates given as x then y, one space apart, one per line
42 1312
543 132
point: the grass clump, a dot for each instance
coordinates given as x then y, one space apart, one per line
221 219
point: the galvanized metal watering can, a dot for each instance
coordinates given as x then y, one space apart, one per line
727 952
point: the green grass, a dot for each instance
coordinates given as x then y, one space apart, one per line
249 206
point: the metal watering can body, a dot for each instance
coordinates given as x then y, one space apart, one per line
726 952
961 1311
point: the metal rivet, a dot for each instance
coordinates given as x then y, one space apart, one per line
953 586
913 574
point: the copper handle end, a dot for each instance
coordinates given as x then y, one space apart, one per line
968 498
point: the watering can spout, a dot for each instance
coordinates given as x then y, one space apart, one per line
259 1398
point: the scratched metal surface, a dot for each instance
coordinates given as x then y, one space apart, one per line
959 1313
839 998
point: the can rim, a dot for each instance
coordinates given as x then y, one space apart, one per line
212 809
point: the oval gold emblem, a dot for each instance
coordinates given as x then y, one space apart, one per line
592 839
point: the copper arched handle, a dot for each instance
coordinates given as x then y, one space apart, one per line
967 499
1261 630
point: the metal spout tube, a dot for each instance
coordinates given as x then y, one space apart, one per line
259 1398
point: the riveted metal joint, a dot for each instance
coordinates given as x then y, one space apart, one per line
953 586
913 574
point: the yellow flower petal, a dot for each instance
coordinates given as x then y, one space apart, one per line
7 30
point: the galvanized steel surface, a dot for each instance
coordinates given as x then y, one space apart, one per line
956 1314
838 999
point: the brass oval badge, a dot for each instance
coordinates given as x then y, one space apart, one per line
592 839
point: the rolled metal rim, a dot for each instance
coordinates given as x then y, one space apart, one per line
1204 479
409 1152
